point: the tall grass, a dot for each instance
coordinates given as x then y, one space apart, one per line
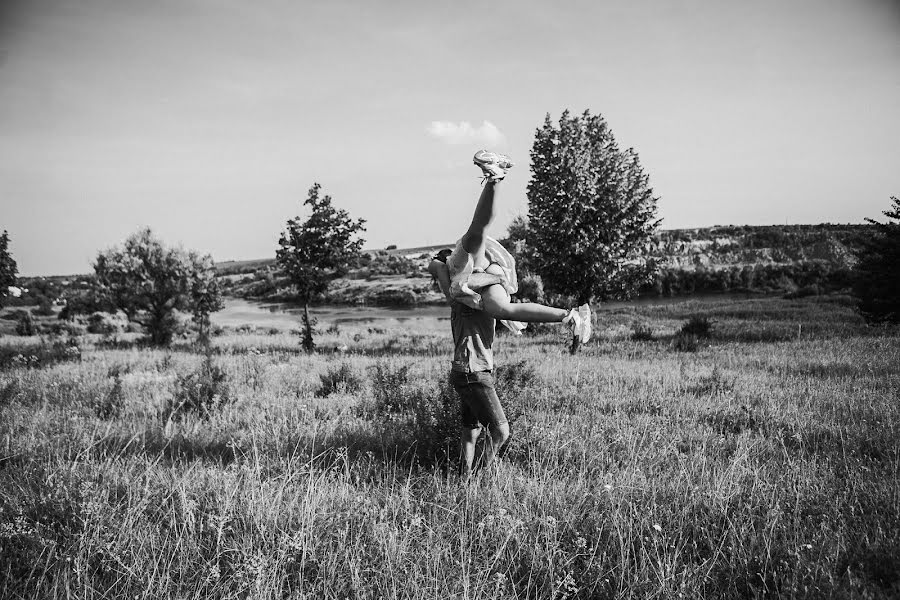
763 464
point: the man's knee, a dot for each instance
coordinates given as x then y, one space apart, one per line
500 434
470 433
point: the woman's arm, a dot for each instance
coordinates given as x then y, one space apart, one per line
440 272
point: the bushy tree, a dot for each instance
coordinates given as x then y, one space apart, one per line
591 211
150 282
206 297
314 251
8 268
877 281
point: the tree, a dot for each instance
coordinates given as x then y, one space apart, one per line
591 211
877 278
8 268
206 297
150 282
314 252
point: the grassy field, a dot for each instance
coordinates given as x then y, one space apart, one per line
764 463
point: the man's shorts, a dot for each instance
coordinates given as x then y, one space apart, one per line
479 401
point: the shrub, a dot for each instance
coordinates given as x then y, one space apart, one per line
45 307
110 404
436 425
25 323
699 326
340 379
41 355
716 383
641 331
685 342
103 323
514 383
391 390
201 391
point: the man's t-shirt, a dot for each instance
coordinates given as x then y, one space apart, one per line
473 336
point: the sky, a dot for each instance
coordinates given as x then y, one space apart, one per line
208 120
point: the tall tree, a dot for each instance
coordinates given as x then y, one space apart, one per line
314 251
150 282
877 281
591 211
8 268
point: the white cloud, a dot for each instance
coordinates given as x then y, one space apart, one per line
464 133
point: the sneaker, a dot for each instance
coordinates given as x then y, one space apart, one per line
580 321
584 313
494 166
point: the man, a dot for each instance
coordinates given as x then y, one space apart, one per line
477 277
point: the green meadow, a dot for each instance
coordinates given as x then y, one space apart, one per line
761 461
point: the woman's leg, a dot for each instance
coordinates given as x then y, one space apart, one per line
499 306
473 240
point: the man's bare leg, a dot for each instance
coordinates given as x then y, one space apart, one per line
468 439
494 445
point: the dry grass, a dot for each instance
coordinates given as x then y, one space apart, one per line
764 463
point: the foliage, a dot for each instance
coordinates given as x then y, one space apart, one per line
45 307
199 392
109 404
798 278
150 282
205 295
516 243
315 251
25 323
686 342
531 288
321 248
591 211
877 277
641 331
698 325
41 355
341 379
8 268
391 389
105 323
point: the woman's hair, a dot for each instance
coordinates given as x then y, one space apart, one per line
443 255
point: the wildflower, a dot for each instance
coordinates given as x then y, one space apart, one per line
499 581
657 527
214 574
580 543
566 586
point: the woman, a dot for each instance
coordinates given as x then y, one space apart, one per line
478 278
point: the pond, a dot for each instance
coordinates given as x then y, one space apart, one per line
268 315
284 316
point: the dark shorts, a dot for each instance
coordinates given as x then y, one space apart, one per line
479 401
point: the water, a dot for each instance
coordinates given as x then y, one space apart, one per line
283 316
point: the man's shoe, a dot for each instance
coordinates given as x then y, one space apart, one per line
493 165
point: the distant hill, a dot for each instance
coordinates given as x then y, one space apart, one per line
794 259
